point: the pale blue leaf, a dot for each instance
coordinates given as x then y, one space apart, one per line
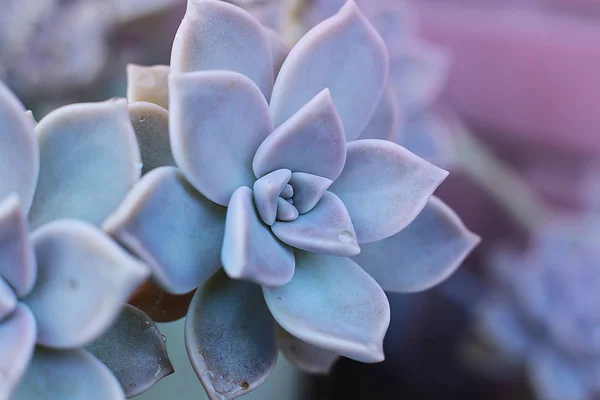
134 350
17 261
250 251
423 254
333 304
215 35
17 341
308 190
217 121
231 337
387 118
384 187
150 84
151 125
305 356
343 53
266 192
84 278
279 49
89 159
19 154
172 228
311 141
327 228
286 211
67 375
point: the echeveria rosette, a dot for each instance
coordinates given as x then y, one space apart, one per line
269 193
63 285
545 312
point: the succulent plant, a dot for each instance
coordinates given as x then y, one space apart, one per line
544 312
63 285
272 194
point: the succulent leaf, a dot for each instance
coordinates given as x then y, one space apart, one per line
231 337
8 299
99 162
267 190
308 190
172 228
227 111
134 350
387 119
384 187
149 84
84 278
333 304
423 254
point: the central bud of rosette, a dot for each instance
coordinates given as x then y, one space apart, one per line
283 195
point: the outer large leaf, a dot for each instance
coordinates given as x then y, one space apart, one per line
344 54
305 356
89 161
250 251
327 228
17 341
134 350
311 141
17 261
84 278
423 254
151 125
333 304
215 35
384 187
149 84
231 337
67 375
172 228
19 154
218 119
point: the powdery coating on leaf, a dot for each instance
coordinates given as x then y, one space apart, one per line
218 120
231 337
327 228
8 300
82 271
311 141
344 54
17 341
308 190
67 375
215 35
172 228
150 84
307 357
384 187
17 261
386 120
19 154
250 251
151 125
333 304
135 351
267 190
423 254
89 161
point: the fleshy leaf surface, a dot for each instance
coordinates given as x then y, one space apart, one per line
386 119
172 228
80 269
384 187
8 300
279 49
19 154
286 210
218 119
423 254
67 375
151 125
17 342
250 251
327 228
308 190
17 260
89 159
215 35
266 192
311 141
333 304
305 356
134 350
150 84
343 53
231 337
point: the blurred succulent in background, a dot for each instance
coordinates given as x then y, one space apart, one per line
269 189
64 285
545 314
